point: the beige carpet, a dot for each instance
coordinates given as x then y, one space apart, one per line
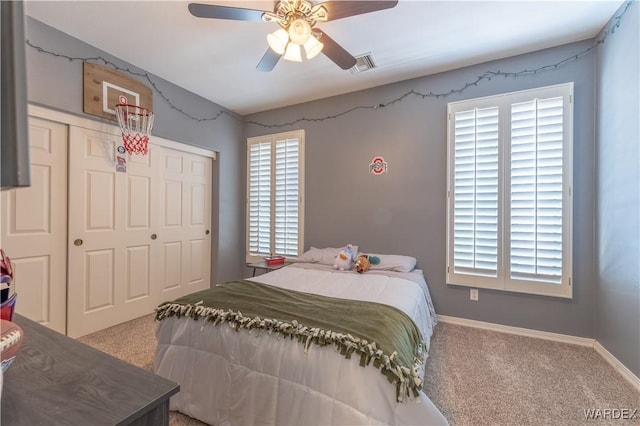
475 377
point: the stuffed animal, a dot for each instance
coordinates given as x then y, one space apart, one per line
364 261
344 259
362 264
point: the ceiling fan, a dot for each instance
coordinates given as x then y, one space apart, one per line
297 36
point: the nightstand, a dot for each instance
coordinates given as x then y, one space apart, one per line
263 265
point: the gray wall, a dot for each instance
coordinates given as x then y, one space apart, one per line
404 211
618 192
57 83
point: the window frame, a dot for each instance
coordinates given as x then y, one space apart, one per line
503 280
252 257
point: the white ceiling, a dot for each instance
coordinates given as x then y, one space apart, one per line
217 58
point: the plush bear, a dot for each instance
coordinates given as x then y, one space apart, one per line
362 264
344 259
364 261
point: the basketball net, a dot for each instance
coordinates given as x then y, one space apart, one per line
135 123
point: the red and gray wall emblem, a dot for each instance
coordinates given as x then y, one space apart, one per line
378 166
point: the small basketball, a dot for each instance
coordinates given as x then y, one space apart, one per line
11 341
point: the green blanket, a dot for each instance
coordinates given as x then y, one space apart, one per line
378 333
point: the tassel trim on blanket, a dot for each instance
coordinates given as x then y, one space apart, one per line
407 380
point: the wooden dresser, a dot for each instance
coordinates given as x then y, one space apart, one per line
56 380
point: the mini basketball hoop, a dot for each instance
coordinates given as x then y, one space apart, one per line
136 123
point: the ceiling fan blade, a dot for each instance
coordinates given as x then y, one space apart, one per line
268 61
334 51
338 9
224 12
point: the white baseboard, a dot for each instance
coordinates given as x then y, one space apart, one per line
620 367
556 337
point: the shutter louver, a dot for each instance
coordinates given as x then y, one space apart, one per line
475 209
260 198
286 197
537 190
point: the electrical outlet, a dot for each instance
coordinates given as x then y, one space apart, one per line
473 294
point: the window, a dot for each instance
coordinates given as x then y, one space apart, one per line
275 208
509 191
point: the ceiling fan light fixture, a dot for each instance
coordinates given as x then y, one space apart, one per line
293 53
312 47
278 40
299 31
297 20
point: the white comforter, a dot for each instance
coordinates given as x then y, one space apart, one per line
241 378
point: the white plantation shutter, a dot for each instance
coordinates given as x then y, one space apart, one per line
475 224
510 209
259 198
274 195
286 198
536 189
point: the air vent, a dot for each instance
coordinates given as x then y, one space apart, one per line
364 63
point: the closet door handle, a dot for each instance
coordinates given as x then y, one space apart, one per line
154 236
78 242
206 232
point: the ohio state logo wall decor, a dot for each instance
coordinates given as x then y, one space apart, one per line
378 166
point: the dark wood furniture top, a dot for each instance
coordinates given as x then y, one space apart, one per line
56 380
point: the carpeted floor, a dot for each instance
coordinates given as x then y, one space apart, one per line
480 377
474 376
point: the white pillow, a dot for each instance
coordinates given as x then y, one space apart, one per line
325 256
394 262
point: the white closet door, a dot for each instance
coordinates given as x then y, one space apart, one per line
112 233
185 220
34 228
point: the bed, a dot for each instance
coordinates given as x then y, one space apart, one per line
238 368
